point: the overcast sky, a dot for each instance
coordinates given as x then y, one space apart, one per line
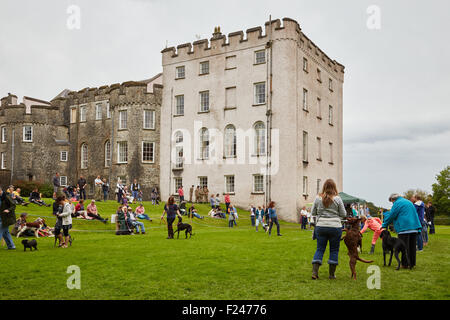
397 77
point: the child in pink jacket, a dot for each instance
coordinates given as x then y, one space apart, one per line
373 224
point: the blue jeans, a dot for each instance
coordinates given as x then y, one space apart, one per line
325 235
4 233
139 226
144 216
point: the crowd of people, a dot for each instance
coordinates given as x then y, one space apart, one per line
411 219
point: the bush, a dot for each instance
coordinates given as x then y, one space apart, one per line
26 187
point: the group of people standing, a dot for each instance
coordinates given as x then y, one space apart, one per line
266 216
329 210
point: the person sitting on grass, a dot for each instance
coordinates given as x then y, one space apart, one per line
35 197
93 212
132 221
79 211
140 213
18 199
193 213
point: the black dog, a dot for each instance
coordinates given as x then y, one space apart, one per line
395 246
29 244
183 226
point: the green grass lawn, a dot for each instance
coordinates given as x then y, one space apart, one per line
217 263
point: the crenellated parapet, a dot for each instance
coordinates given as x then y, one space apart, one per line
275 30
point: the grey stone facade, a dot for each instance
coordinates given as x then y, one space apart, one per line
57 126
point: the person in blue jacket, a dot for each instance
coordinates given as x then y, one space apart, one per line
403 215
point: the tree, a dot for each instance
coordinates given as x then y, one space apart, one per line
441 192
422 193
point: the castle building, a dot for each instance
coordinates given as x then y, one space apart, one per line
255 115
111 131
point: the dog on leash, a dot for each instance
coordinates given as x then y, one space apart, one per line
29 244
394 246
183 226
56 239
352 240
34 226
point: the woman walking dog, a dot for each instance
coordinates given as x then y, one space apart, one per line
171 209
329 209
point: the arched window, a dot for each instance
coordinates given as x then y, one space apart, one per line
84 156
260 138
230 141
178 137
107 154
204 143
179 150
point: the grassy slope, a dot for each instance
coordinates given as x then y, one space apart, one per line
217 263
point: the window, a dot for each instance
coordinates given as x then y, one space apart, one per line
230 141
179 110
204 143
63 181
178 137
98 111
330 115
330 84
305 64
260 56
204 67
108 110
179 157
305 99
84 156
305 185
149 119
28 134
122 152
260 138
82 113
260 93
107 154
305 146
258 183
180 72
178 182
319 108
204 101
148 151
319 148
4 134
230 97
319 75
318 186
203 182
229 184
123 119
230 62
3 160
73 115
63 156
331 152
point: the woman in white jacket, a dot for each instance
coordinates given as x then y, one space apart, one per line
66 216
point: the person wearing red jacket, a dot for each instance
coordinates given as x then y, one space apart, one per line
374 224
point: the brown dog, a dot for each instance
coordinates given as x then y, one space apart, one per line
352 240
35 226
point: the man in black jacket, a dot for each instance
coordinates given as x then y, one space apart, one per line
82 186
7 218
